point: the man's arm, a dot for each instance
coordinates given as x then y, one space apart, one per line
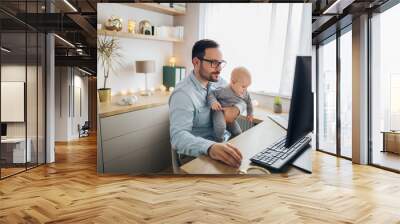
181 114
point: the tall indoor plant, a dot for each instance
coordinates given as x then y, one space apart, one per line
108 55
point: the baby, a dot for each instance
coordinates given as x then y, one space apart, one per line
234 93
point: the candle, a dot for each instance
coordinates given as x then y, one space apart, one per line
163 88
123 92
131 26
131 91
255 102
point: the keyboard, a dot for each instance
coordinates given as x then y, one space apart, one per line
276 156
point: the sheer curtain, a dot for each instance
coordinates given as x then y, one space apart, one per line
263 37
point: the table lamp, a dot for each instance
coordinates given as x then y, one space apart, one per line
147 66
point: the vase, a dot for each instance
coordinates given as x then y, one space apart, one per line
114 23
105 95
278 108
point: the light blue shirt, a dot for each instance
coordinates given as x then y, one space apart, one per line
191 128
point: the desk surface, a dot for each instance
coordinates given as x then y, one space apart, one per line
249 142
13 140
110 109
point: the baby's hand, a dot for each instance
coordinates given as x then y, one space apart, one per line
216 106
250 118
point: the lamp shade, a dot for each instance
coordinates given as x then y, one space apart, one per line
147 66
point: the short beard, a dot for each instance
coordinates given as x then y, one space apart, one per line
205 77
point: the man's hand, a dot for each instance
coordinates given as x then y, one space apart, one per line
230 113
250 118
216 106
226 153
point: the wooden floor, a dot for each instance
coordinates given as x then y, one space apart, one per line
70 191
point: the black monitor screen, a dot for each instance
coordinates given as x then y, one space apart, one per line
3 129
301 113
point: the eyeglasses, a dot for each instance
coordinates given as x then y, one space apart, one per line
214 63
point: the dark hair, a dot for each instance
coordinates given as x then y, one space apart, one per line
199 48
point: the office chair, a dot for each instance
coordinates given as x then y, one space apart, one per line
175 161
178 160
84 130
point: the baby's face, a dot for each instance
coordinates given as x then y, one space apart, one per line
240 86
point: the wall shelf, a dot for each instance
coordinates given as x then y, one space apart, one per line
158 8
135 36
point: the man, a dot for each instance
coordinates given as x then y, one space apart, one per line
191 127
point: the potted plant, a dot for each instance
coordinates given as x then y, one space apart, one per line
108 55
277 105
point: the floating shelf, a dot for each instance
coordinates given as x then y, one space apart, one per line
135 36
158 8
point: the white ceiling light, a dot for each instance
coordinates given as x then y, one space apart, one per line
86 72
70 5
337 7
5 50
65 41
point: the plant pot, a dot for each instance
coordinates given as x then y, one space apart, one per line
104 95
278 108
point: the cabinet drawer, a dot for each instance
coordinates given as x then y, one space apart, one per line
128 144
150 159
125 123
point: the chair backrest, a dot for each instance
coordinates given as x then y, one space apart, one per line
175 161
86 125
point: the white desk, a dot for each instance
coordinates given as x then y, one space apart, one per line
18 149
250 142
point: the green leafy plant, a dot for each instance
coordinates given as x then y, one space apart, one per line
277 100
108 54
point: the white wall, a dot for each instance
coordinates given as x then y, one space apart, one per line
15 72
65 119
183 51
125 78
190 21
80 82
33 126
61 103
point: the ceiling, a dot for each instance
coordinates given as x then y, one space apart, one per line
75 21
76 26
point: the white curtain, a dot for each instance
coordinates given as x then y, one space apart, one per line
263 37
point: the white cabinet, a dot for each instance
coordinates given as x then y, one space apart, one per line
135 142
16 148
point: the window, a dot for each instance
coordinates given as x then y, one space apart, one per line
265 38
346 94
385 85
327 96
22 70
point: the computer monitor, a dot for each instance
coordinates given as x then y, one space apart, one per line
3 129
301 113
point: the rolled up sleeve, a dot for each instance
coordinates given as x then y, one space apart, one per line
181 116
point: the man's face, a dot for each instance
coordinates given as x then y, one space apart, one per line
210 71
